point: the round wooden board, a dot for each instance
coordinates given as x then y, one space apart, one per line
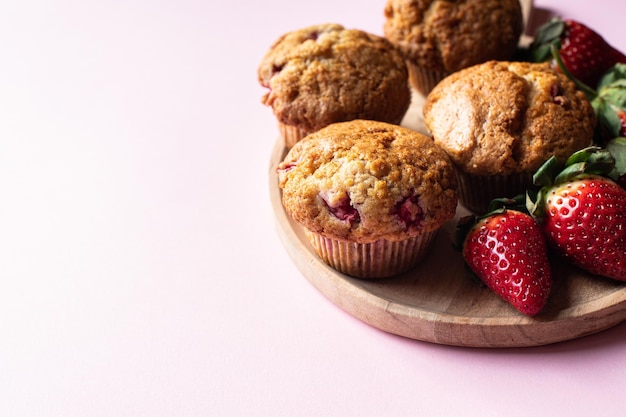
437 302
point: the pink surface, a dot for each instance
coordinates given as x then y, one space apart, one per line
141 271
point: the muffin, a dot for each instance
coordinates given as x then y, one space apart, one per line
499 121
325 74
370 195
439 37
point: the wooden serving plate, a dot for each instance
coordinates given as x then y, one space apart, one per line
437 302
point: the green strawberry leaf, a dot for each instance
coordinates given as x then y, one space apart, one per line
618 81
601 162
592 155
609 103
582 155
496 206
499 205
546 35
607 116
546 173
618 72
549 31
569 172
540 53
617 148
615 93
591 160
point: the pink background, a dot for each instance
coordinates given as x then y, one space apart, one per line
140 268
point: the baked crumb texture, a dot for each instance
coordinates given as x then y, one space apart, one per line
362 181
447 35
500 118
325 74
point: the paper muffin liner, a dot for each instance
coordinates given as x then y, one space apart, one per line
291 134
423 79
380 259
477 191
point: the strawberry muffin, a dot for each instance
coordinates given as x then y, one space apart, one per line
326 73
370 196
439 37
499 121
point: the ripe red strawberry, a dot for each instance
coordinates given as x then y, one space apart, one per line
583 212
585 53
507 251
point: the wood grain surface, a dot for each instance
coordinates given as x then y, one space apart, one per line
437 302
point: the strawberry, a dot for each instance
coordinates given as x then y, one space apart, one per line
507 251
585 53
606 90
583 212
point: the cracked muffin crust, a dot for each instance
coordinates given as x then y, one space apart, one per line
499 121
506 117
370 196
362 181
326 73
439 37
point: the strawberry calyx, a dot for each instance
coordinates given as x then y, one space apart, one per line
592 160
617 148
549 35
584 51
496 206
550 38
609 102
606 89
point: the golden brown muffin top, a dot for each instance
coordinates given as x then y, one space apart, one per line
326 73
362 181
508 117
448 35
